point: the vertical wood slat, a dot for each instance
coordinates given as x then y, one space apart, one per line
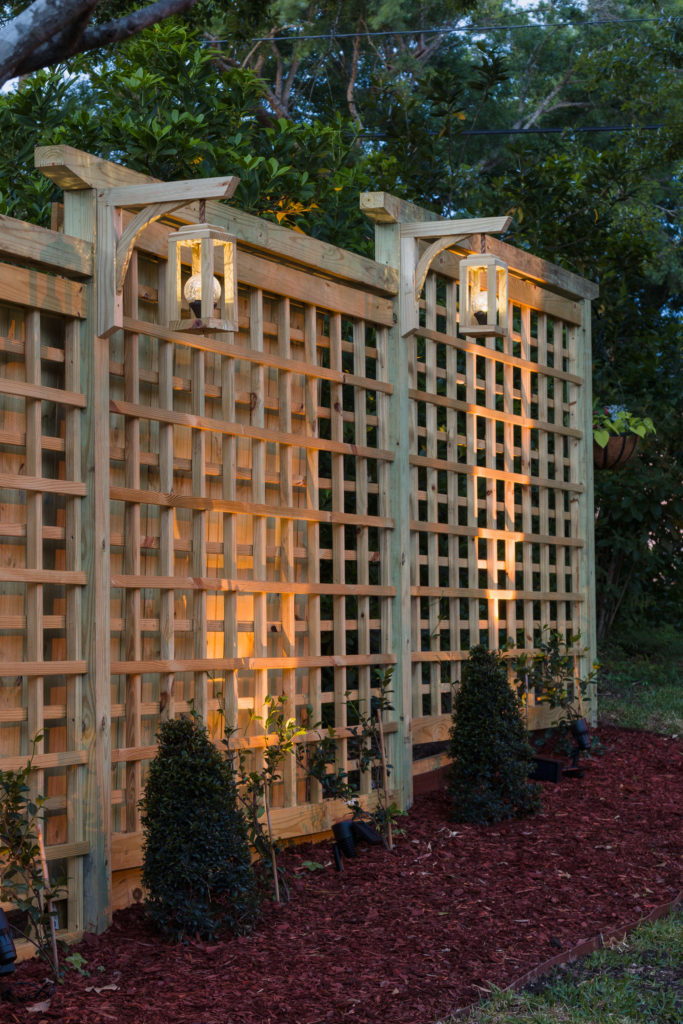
452 481
338 536
543 466
132 636
199 522
512 621
74 683
491 563
229 492
286 527
432 500
312 426
472 499
525 375
166 523
258 496
384 508
362 540
34 548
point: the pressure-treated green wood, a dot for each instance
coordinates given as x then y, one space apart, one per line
80 221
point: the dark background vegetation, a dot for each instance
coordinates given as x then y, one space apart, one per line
585 102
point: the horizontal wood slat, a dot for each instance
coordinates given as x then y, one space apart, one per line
219 664
205 423
23 390
53 250
493 354
295 513
20 286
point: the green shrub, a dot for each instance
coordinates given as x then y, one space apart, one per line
489 779
197 865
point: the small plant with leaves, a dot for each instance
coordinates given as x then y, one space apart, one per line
489 778
255 784
616 420
549 671
23 879
318 760
196 860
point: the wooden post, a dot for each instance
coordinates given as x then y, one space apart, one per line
586 512
80 217
388 213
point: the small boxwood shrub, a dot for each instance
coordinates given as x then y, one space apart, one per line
197 866
489 779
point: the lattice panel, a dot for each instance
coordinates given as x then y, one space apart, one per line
495 480
41 576
249 523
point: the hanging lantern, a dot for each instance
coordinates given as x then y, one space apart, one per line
483 296
212 305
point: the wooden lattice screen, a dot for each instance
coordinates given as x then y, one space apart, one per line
341 488
497 477
41 571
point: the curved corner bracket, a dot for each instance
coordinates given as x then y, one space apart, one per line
124 247
428 257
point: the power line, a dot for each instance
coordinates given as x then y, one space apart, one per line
457 30
549 131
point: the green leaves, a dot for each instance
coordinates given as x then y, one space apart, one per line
196 861
489 778
22 882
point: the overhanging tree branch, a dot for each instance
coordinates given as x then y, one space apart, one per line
50 31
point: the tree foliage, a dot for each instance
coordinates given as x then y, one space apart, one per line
391 95
44 32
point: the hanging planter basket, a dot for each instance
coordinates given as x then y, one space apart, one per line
616 452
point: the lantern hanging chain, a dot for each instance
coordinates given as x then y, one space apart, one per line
202 211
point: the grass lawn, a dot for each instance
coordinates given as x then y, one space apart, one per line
639 685
639 981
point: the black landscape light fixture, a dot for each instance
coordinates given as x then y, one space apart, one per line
8 951
580 734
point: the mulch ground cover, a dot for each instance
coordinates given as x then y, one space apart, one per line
409 936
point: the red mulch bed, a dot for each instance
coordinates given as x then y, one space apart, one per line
409 936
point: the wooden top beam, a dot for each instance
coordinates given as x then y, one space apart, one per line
171 191
73 169
383 208
466 226
533 267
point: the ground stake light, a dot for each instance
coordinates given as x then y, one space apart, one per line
209 251
8 952
483 296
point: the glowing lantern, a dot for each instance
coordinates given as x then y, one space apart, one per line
210 251
483 296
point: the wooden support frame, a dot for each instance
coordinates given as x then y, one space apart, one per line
341 487
115 243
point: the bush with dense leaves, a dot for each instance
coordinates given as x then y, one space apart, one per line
489 779
197 866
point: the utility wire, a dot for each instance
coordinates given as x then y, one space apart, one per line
550 131
459 29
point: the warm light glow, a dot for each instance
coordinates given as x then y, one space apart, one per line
193 289
480 300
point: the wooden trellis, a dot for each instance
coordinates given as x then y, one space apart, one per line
343 486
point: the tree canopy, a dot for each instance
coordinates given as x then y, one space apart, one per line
567 116
41 33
